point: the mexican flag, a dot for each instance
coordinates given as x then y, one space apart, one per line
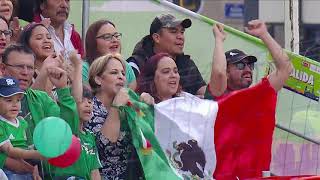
185 129
191 138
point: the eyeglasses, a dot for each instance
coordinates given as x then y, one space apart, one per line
7 33
241 65
109 37
21 67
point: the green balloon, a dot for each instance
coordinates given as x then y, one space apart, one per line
52 137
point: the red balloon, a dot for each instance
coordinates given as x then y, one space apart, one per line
70 156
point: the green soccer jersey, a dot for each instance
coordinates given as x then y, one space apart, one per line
13 132
88 160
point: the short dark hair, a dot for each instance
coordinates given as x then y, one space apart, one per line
87 92
91 40
15 48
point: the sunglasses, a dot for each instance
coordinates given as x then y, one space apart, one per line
241 65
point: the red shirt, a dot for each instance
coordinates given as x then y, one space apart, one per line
244 130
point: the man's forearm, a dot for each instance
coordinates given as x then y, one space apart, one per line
278 54
281 60
77 84
22 153
18 166
218 79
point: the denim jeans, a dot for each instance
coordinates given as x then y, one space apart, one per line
15 176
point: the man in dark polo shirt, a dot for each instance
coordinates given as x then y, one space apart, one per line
167 35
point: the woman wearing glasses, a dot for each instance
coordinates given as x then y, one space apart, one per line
102 38
5 35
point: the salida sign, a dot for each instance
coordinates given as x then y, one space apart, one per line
304 79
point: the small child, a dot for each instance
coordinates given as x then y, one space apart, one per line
13 140
88 164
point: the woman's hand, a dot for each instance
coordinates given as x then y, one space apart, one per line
74 67
75 58
51 61
147 98
58 77
111 127
121 98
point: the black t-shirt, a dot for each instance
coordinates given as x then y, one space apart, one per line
190 77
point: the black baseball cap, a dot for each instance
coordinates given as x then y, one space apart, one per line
235 55
168 21
9 86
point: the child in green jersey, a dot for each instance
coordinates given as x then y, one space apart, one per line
13 140
88 164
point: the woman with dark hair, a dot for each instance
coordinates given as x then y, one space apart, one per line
102 38
160 78
37 37
92 49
